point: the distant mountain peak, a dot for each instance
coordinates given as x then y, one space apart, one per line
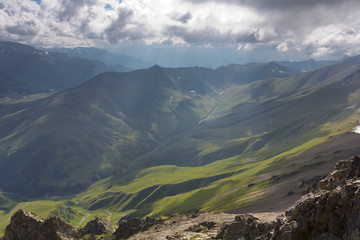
41 71
156 67
19 47
105 56
306 65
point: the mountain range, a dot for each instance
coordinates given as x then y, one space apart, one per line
160 141
98 127
104 56
93 53
307 65
25 70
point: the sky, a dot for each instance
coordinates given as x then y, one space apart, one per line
190 32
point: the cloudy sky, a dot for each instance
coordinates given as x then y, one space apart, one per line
190 31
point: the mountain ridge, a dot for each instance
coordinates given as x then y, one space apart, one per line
160 141
44 71
145 104
104 56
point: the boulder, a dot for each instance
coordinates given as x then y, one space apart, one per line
203 226
246 227
129 227
98 227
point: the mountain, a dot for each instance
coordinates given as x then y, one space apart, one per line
26 70
10 87
160 141
104 56
305 66
62 143
353 60
265 141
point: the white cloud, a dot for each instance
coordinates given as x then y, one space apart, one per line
282 47
335 38
318 27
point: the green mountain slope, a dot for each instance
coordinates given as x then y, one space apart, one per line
63 143
12 88
161 141
252 151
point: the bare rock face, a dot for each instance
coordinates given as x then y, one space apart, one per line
246 227
127 228
22 224
98 227
25 225
330 209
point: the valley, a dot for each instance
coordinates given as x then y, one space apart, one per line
162 141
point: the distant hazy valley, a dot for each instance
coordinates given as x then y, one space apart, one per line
86 133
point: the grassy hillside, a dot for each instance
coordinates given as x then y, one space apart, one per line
162 141
245 153
63 143
66 208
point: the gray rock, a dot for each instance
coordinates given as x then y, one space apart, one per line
246 227
129 227
98 227
25 225
330 209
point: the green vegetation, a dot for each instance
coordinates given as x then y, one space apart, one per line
138 140
67 209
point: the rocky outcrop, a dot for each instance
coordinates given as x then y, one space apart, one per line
127 228
22 224
25 225
98 227
330 209
246 227
203 226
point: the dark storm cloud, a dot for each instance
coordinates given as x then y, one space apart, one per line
211 35
25 29
278 4
70 8
184 18
121 29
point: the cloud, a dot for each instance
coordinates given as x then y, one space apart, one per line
276 4
183 18
121 28
24 29
317 27
71 8
213 35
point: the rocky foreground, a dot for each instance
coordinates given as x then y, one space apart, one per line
329 210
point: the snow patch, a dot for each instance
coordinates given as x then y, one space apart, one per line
357 129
